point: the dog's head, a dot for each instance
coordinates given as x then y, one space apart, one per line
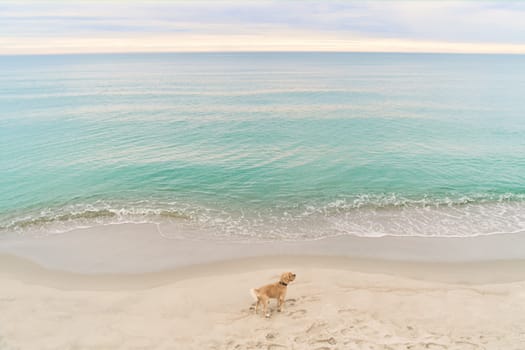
287 277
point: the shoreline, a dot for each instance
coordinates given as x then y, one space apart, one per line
135 256
139 248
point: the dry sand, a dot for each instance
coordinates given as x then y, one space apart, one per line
335 303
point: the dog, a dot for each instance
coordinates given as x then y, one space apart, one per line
276 290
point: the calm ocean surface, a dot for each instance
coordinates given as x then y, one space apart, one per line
269 146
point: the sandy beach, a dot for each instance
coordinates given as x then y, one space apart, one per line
161 159
337 302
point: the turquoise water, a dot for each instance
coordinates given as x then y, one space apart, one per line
271 146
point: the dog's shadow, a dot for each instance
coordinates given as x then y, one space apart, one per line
289 307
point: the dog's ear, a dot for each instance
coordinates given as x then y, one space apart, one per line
287 277
284 277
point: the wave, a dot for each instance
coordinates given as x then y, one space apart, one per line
394 200
66 218
370 215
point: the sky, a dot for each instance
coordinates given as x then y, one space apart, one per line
50 27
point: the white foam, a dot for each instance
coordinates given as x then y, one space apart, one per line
387 216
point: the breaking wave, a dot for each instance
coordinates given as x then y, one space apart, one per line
363 215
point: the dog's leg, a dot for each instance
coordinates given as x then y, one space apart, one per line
281 303
257 305
265 306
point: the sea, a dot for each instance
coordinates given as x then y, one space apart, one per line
263 146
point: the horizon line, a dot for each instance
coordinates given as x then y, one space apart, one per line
259 51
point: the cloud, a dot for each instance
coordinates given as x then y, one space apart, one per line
82 26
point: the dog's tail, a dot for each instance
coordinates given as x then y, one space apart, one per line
254 293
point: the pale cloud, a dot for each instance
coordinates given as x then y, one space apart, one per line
171 26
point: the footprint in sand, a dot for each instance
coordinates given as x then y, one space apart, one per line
370 347
316 326
253 345
435 346
347 331
353 342
330 341
346 311
412 332
309 298
465 345
300 339
290 302
270 336
297 313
